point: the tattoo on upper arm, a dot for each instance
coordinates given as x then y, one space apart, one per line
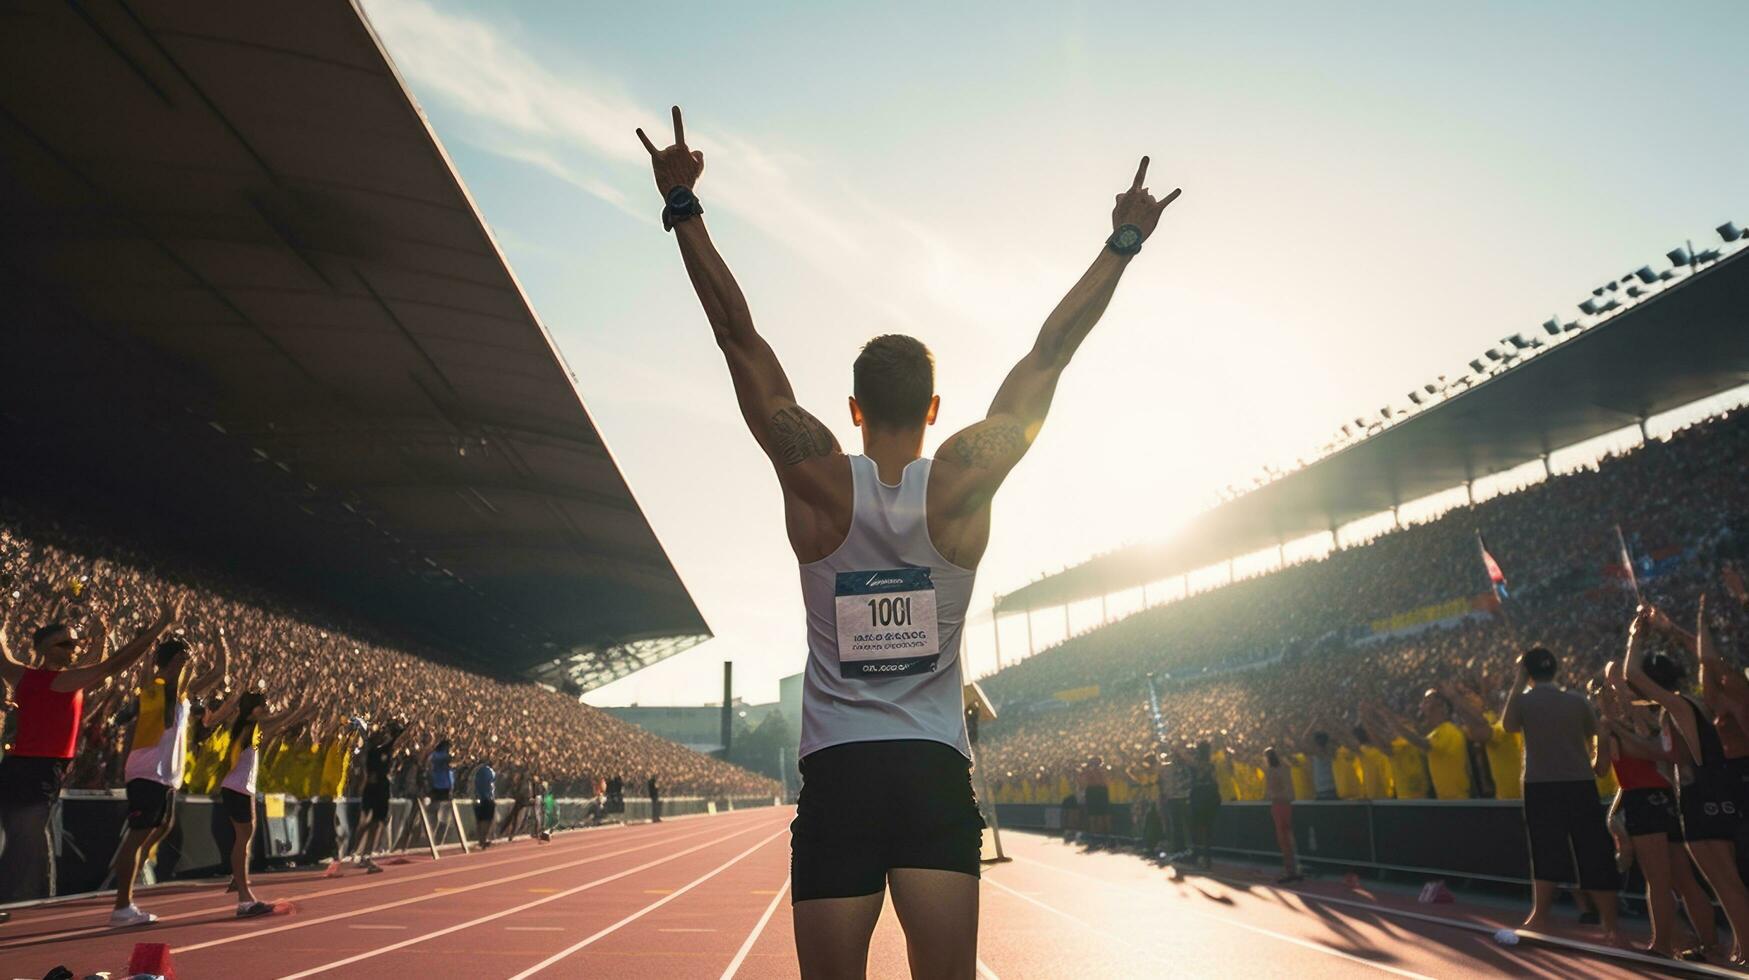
988 445
798 436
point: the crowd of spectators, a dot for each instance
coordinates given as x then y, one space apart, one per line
52 571
1266 659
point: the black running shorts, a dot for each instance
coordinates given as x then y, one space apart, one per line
376 800
440 795
1651 810
869 807
1098 801
1565 823
240 807
27 780
1709 807
485 810
148 804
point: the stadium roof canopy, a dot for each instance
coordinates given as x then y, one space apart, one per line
1684 343
245 294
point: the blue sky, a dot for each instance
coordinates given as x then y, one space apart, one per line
1373 193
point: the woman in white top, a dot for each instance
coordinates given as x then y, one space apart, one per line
251 725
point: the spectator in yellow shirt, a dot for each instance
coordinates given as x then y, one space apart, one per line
1505 759
1375 767
1447 746
1300 774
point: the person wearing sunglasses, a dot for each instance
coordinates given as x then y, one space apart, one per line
51 700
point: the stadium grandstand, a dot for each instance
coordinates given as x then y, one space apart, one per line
266 364
1360 631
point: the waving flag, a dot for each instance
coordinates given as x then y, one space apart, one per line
1496 577
1627 561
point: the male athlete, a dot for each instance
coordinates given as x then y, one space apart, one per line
51 704
888 544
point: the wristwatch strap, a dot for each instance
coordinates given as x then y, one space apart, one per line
681 205
1117 239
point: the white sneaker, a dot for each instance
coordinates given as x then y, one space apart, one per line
131 916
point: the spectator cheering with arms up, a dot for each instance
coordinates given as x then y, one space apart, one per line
50 700
251 725
155 764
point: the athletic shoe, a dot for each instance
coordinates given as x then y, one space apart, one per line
132 915
334 870
372 868
251 910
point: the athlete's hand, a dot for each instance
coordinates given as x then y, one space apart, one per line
1134 206
677 166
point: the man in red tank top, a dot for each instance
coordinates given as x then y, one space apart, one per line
51 700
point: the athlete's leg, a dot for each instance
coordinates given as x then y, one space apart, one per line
127 865
240 858
1694 897
1654 856
1717 860
832 935
939 913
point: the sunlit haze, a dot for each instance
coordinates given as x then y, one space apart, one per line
1373 193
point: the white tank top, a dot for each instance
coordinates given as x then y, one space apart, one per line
884 617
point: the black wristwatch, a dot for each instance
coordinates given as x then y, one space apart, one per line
682 204
1126 240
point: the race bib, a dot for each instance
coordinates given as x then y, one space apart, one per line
886 623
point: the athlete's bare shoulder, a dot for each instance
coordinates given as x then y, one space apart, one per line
963 480
814 472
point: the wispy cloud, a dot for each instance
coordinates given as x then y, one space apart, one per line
579 130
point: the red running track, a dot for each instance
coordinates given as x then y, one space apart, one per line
707 898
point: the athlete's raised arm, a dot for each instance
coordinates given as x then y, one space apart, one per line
973 462
795 440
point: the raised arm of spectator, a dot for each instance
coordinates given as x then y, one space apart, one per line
81 678
287 720
1467 716
213 679
1394 725
11 668
1679 712
1657 619
97 639
213 717
1511 718
1724 688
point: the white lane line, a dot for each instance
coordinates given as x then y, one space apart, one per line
581 844
368 954
653 906
194 891
1294 940
752 937
985 971
445 893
